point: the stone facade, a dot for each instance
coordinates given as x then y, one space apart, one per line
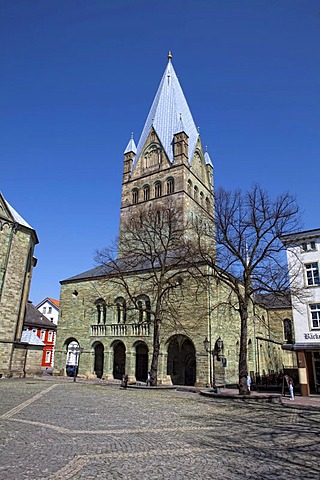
17 243
98 314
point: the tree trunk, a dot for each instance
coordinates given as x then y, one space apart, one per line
243 366
156 349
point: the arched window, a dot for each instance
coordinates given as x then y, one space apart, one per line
121 310
196 192
144 309
287 330
201 198
135 195
158 217
146 193
170 185
157 189
101 307
207 204
189 186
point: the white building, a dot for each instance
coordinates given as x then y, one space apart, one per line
50 308
303 253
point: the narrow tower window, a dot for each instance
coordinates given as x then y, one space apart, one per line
135 196
146 193
170 186
157 189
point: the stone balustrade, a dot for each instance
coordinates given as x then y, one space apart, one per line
120 330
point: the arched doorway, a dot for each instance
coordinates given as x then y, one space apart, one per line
98 359
119 360
141 362
72 360
181 361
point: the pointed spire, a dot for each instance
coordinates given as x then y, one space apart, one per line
207 158
168 106
131 147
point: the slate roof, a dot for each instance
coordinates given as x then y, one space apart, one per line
99 271
34 318
169 113
127 265
17 218
271 300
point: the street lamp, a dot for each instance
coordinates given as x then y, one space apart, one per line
76 350
216 352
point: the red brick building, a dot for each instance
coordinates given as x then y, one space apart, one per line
46 330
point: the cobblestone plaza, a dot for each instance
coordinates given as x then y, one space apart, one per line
64 430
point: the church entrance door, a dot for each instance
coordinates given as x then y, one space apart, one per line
141 362
119 360
98 359
182 361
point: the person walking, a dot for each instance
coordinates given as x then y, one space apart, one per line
249 382
290 384
148 382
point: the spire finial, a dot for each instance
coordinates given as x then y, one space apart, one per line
169 55
131 135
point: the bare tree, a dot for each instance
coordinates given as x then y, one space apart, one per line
249 257
149 257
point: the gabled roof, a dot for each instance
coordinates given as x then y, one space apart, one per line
54 302
169 113
34 318
273 301
15 215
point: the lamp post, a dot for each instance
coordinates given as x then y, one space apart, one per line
216 352
76 350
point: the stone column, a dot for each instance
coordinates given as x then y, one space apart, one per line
131 365
204 368
59 362
108 365
163 378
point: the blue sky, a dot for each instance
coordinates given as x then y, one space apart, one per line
78 76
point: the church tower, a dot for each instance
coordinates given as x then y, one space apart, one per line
169 163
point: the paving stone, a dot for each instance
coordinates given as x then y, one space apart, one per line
65 430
